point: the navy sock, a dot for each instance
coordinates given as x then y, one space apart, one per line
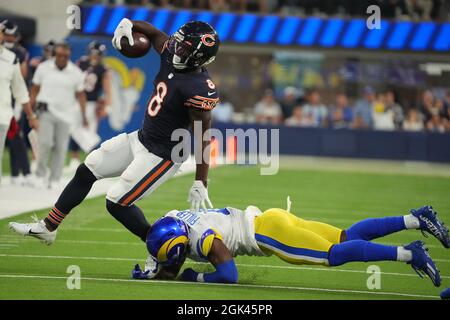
360 250
131 217
369 229
73 194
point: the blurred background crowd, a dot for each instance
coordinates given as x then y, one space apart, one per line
377 110
404 9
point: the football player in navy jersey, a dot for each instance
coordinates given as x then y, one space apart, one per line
97 86
183 94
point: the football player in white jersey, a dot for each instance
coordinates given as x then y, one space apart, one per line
222 234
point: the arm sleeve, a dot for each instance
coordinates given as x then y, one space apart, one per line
201 94
79 85
37 78
18 86
225 273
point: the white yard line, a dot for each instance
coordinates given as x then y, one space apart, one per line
15 200
135 260
382 293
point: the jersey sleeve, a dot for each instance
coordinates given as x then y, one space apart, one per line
205 242
38 74
201 94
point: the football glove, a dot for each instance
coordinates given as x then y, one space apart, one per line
198 196
151 270
124 29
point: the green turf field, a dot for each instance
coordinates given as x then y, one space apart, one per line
106 252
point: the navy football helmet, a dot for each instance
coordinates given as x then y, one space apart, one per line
167 241
193 46
96 48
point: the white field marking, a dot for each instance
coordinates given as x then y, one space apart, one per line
229 285
193 262
8 239
8 245
95 229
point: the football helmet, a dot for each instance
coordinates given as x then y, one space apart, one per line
193 46
96 48
167 241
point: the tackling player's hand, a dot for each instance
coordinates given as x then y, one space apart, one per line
198 196
137 273
189 275
124 29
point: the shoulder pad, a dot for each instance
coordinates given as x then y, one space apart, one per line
205 242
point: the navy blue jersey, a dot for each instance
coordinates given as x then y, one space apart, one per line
94 78
174 94
21 53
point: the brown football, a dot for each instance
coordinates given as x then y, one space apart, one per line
140 48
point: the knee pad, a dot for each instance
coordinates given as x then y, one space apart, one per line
93 160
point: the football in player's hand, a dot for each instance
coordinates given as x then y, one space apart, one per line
140 47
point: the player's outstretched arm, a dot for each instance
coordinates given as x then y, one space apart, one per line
156 36
198 194
222 259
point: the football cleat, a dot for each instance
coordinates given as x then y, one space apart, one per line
422 263
36 229
430 223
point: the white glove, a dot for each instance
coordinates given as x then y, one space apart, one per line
124 29
198 196
151 267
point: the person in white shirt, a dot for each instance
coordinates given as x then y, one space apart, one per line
314 109
413 121
268 110
12 84
58 86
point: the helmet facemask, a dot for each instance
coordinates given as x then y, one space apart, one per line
191 48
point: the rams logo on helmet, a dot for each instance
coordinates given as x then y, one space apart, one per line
167 241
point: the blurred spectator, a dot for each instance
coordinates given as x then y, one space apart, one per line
447 109
298 120
427 105
267 110
396 108
11 42
58 84
290 100
19 161
315 110
223 112
48 51
393 8
419 9
383 118
363 110
413 121
437 122
341 114
12 85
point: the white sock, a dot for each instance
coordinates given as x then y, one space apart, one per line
411 222
403 254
